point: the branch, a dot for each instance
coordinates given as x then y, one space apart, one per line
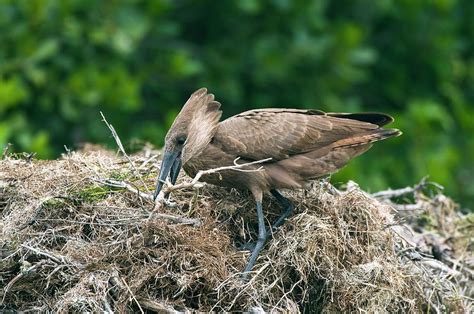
441 267
128 187
195 182
58 259
408 207
122 149
133 296
155 306
387 194
175 219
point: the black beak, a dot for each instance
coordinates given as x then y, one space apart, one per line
171 164
175 169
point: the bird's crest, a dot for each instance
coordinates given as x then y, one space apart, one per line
198 120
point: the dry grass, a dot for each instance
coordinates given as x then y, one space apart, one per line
70 243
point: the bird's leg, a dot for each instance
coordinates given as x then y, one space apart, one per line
283 201
262 236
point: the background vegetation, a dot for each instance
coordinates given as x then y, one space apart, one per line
61 62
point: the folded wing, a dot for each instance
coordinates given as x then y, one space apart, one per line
281 133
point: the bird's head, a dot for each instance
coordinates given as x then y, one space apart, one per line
191 132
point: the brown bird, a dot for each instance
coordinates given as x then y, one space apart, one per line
303 145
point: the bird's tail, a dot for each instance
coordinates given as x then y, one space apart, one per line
367 138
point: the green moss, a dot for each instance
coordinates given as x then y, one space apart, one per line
53 203
120 176
93 194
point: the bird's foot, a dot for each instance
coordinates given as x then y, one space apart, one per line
249 246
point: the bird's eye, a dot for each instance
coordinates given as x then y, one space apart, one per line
180 140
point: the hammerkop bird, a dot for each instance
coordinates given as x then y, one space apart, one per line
303 145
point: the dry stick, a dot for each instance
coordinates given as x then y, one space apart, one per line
441 267
108 309
133 296
58 259
195 182
409 207
408 190
147 161
128 187
122 149
175 219
155 306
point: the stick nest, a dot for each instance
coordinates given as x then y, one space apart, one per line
73 242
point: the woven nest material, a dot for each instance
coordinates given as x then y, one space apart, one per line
72 241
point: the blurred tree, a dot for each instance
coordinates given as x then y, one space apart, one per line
61 62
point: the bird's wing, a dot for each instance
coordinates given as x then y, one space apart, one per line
280 133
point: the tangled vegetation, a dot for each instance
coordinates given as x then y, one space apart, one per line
76 236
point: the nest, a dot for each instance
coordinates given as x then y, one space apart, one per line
76 237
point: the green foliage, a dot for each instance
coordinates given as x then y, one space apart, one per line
62 62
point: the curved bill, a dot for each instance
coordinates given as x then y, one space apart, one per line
170 165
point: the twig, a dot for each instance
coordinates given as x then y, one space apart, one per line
59 259
122 149
147 161
441 267
193 184
128 187
408 207
155 306
133 296
195 181
108 308
387 194
175 219
131 188
395 193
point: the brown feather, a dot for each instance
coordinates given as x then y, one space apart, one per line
281 133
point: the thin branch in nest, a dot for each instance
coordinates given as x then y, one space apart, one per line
387 194
122 149
195 182
59 259
132 295
155 306
128 187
